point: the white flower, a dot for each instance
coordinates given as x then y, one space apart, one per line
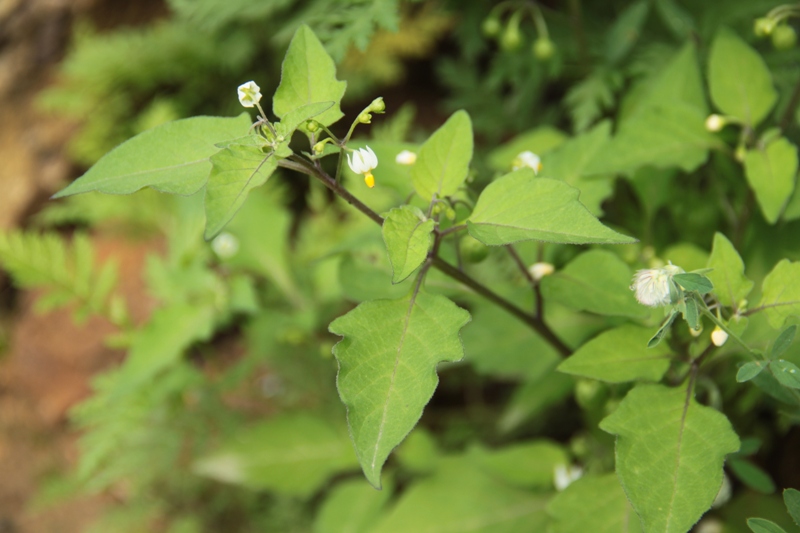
652 285
225 245
564 475
527 159
249 94
718 336
406 157
715 123
540 270
363 161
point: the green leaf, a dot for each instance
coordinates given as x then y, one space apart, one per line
419 453
750 370
751 475
308 76
520 207
680 80
670 452
593 504
408 237
352 507
767 382
527 465
293 454
443 161
387 368
540 141
294 118
663 329
690 313
783 341
236 171
781 292
791 497
625 31
730 283
739 81
171 158
771 173
786 373
461 498
762 525
691 281
619 355
597 281
672 134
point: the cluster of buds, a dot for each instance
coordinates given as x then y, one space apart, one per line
774 25
510 37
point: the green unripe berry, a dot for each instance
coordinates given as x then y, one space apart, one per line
511 38
312 126
784 37
763 26
491 27
450 213
543 48
437 209
472 250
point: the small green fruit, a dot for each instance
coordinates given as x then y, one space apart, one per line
543 48
784 37
472 250
763 27
491 27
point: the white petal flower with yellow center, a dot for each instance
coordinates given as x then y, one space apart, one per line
362 162
249 94
652 285
527 159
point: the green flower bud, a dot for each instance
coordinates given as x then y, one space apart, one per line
450 213
319 147
377 105
312 126
763 27
491 26
365 118
511 38
740 153
784 37
437 209
472 250
543 48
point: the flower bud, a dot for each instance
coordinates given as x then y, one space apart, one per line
763 26
491 26
784 37
540 270
715 122
740 153
718 336
225 245
406 157
543 48
511 38
365 118
377 105
312 126
319 147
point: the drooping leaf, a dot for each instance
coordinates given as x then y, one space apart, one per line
786 373
459 497
308 76
387 368
670 452
597 281
691 281
750 370
593 504
352 507
739 81
443 161
519 207
791 497
730 283
171 158
527 465
783 341
781 292
771 173
291 454
619 355
762 525
751 475
407 234
236 171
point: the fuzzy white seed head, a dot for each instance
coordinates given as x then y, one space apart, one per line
249 94
718 336
406 157
540 270
652 286
527 159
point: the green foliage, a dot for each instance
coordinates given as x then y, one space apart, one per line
593 504
771 172
443 161
407 234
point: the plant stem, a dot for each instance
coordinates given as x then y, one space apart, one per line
536 323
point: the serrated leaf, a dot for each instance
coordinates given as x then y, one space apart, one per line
527 465
751 475
443 161
351 507
691 281
730 283
791 497
739 81
171 158
771 173
781 292
750 370
619 355
461 498
786 373
762 525
596 281
596 504
387 368
308 76
291 454
672 134
236 171
783 341
670 452
520 207
408 236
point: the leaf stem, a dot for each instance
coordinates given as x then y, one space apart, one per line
452 229
711 316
